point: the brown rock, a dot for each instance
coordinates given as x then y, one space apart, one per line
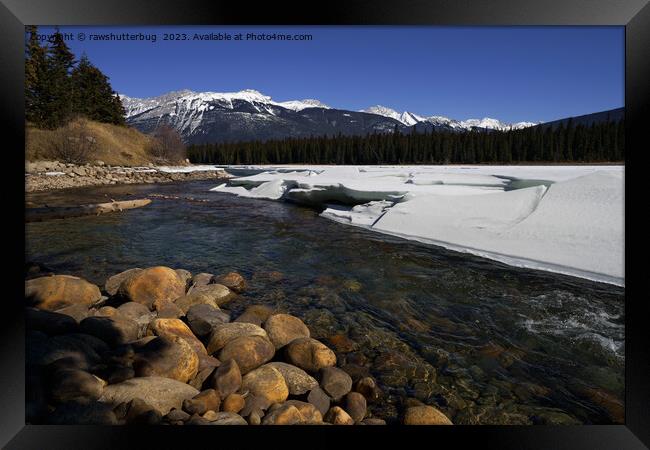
284 328
154 283
186 276
232 280
176 327
267 382
226 418
249 352
212 294
199 380
255 314
319 399
59 291
49 322
167 310
227 378
355 405
309 354
223 334
106 311
233 403
255 404
309 413
373 421
112 285
283 415
342 343
114 331
367 387
298 381
77 312
335 382
170 357
425 415
203 318
71 384
202 279
207 400
337 416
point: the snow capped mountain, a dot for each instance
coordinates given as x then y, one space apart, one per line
249 114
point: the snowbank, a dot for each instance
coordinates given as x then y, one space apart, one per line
571 224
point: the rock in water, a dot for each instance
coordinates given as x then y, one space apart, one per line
255 314
227 378
355 405
266 382
167 357
112 285
155 283
297 379
207 400
335 382
203 318
284 328
232 280
367 386
337 416
163 394
59 291
222 334
309 354
249 352
425 415
112 330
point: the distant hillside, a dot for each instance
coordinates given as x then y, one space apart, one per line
612 115
113 144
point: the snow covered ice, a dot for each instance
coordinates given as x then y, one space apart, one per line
569 220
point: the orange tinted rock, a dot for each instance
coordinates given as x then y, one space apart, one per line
59 291
155 283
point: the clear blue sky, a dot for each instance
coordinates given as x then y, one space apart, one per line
509 73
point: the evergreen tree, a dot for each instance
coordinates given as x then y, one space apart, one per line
35 78
58 98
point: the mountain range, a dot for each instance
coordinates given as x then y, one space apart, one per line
203 117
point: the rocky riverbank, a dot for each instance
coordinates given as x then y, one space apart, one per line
52 175
158 346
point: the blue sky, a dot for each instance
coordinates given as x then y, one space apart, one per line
509 73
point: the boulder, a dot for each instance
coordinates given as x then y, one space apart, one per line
319 399
227 418
71 384
355 405
373 421
212 294
186 276
106 311
232 281
77 312
176 327
298 381
224 333
49 322
170 357
337 416
202 279
283 415
335 382
309 354
367 387
255 314
202 375
207 400
139 412
255 405
284 328
114 331
176 415
161 393
310 414
202 318
112 285
248 351
227 378
425 415
59 291
155 283
233 403
267 382
137 312
167 310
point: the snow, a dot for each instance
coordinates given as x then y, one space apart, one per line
187 169
569 219
54 174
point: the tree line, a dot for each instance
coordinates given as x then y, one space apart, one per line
59 88
597 142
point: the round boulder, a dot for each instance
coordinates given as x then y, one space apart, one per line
355 405
59 291
233 403
112 285
170 357
231 280
284 328
425 415
203 317
298 381
256 314
224 333
114 331
248 351
176 327
266 382
71 384
155 283
283 415
227 378
337 416
335 382
309 354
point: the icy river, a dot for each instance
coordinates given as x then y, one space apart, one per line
487 342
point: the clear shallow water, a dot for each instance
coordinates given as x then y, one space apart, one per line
485 342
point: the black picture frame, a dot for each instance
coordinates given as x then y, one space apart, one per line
14 14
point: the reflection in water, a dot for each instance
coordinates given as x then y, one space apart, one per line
485 342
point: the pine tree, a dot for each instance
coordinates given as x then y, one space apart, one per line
35 78
58 100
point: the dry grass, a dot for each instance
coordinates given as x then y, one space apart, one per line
115 145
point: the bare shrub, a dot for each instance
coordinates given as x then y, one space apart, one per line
73 143
167 145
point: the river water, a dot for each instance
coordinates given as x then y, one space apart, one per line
485 342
